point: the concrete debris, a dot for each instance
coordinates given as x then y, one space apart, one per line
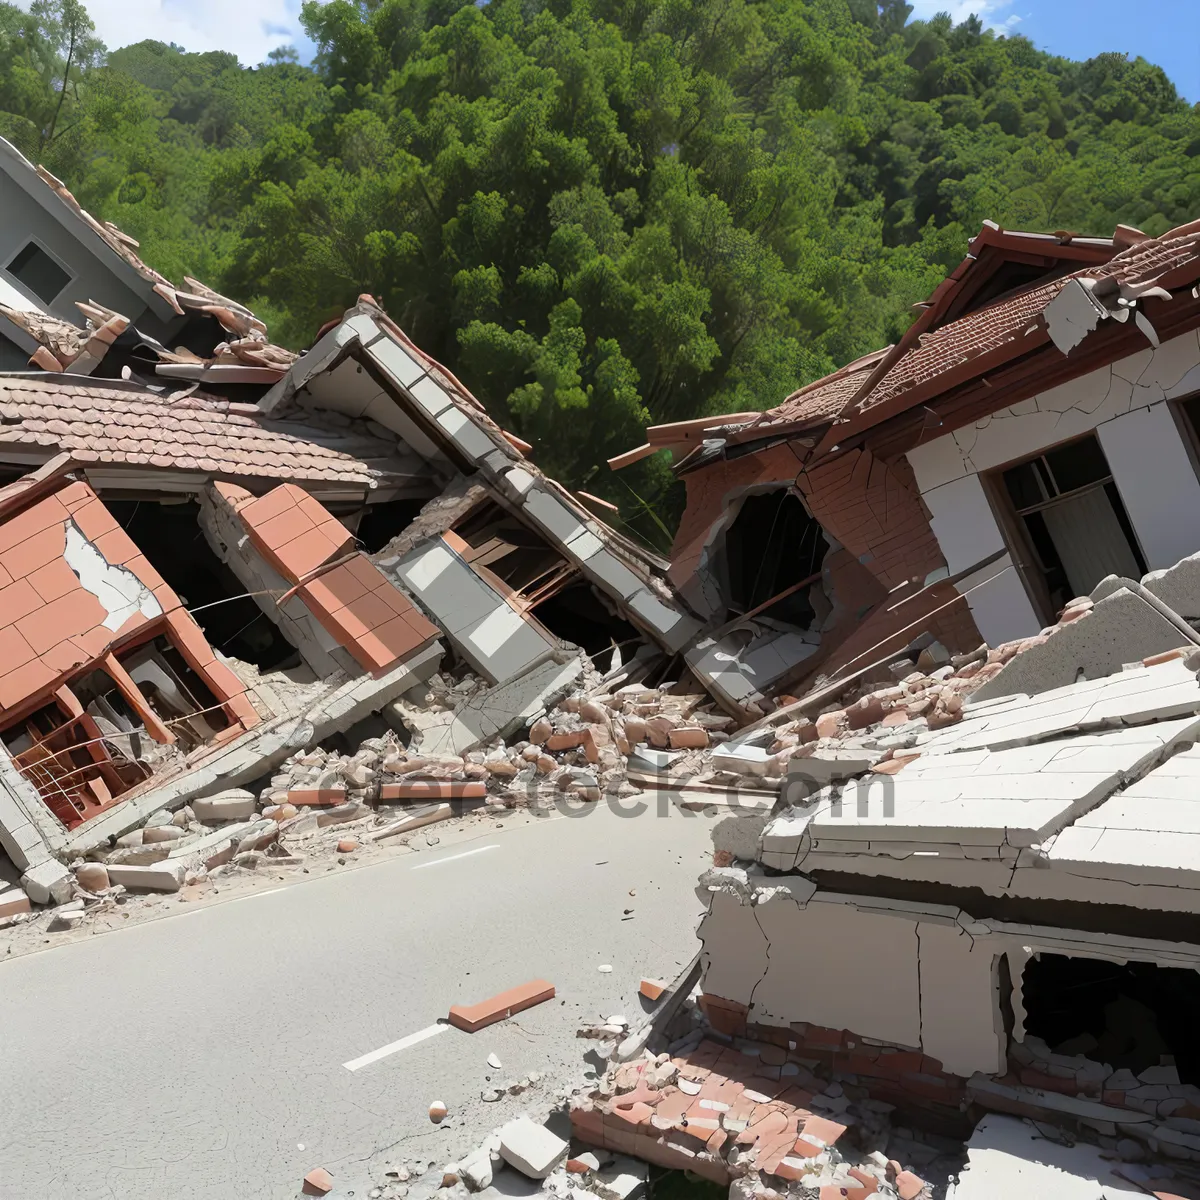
531 1149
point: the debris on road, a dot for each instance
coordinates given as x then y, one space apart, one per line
437 1112
318 1182
473 1017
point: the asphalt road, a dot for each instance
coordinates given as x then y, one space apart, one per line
202 1054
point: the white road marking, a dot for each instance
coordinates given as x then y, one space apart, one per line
392 1047
437 862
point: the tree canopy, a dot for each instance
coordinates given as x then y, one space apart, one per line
601 214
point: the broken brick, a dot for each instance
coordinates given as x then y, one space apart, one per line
652 989
316 797
473 1017
318 1182
434 789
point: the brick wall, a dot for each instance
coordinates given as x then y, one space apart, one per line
875 510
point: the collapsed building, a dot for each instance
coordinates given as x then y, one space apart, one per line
1034 431
217 553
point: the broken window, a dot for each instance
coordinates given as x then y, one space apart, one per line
1071 512
1133 1015
67 755
511 551
168 533
774 549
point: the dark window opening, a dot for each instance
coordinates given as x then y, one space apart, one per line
773 545
382 522
577 615
1074 518
170 537
508 548
1133 1015
33 267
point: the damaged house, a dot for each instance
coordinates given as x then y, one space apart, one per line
214 553
1033 432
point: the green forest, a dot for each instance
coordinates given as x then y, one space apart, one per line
601 214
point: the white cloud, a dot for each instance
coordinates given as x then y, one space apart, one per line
993 13
248 28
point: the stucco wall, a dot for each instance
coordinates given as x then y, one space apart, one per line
1126 405
93 279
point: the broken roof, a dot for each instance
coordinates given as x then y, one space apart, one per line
128 425
1095 779
967 327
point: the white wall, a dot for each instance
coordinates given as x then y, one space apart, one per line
1125 404
1154 474
966 531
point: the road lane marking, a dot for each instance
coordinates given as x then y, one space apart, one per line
437 862
392 1047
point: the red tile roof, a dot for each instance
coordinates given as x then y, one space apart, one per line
825 398
1000 325
50 625
295 532
105 422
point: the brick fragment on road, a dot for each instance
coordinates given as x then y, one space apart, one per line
318 1182
472 1017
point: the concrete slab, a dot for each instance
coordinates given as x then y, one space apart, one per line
1007 1157
1015 797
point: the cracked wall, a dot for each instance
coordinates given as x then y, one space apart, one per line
916 980
1125 404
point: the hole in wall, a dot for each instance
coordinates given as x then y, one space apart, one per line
1133 1015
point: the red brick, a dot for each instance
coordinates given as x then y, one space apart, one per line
487 1012
315 797
652 989
688 737
317 1182
431 789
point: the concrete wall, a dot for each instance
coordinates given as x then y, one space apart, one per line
1125 404
907 979
93 278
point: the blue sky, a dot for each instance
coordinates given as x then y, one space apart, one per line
1166 32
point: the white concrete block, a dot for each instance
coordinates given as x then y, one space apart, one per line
532 1149
431 396
48 881
467 436
166 876
397 362
960 1014
225 806
835 956
962 522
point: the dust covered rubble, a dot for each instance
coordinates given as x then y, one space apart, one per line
324 805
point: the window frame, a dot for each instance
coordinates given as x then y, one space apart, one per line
1013 531
24 288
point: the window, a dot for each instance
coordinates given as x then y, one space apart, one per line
1071 514
44 276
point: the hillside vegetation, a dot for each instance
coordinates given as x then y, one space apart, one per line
600 213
